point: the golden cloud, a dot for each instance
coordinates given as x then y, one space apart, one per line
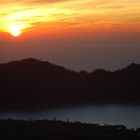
28 14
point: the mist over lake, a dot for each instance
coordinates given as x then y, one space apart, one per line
128 115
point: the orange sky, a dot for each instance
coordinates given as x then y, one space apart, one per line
20 16
79 34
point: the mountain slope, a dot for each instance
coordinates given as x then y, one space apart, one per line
31 83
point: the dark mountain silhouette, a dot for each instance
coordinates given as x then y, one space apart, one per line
60 130
31 83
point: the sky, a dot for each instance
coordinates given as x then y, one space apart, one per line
78 34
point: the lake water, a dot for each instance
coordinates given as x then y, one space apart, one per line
128 115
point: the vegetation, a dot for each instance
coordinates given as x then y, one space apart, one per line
59 130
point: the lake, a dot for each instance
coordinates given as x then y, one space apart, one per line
128 115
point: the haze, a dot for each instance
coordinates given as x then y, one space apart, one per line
77 34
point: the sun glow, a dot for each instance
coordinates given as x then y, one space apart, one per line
15 31
19 16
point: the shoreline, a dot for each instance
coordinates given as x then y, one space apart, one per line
56 130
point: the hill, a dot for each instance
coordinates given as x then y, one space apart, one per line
31 83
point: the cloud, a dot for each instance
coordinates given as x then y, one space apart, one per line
30 13
32 1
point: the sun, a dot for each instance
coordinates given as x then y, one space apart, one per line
15 31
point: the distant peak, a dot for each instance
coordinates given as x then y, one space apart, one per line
132 65
30 60
27 61
34 63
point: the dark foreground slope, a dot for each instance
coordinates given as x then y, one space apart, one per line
32 83
58 130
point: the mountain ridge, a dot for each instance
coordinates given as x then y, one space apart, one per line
35 61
